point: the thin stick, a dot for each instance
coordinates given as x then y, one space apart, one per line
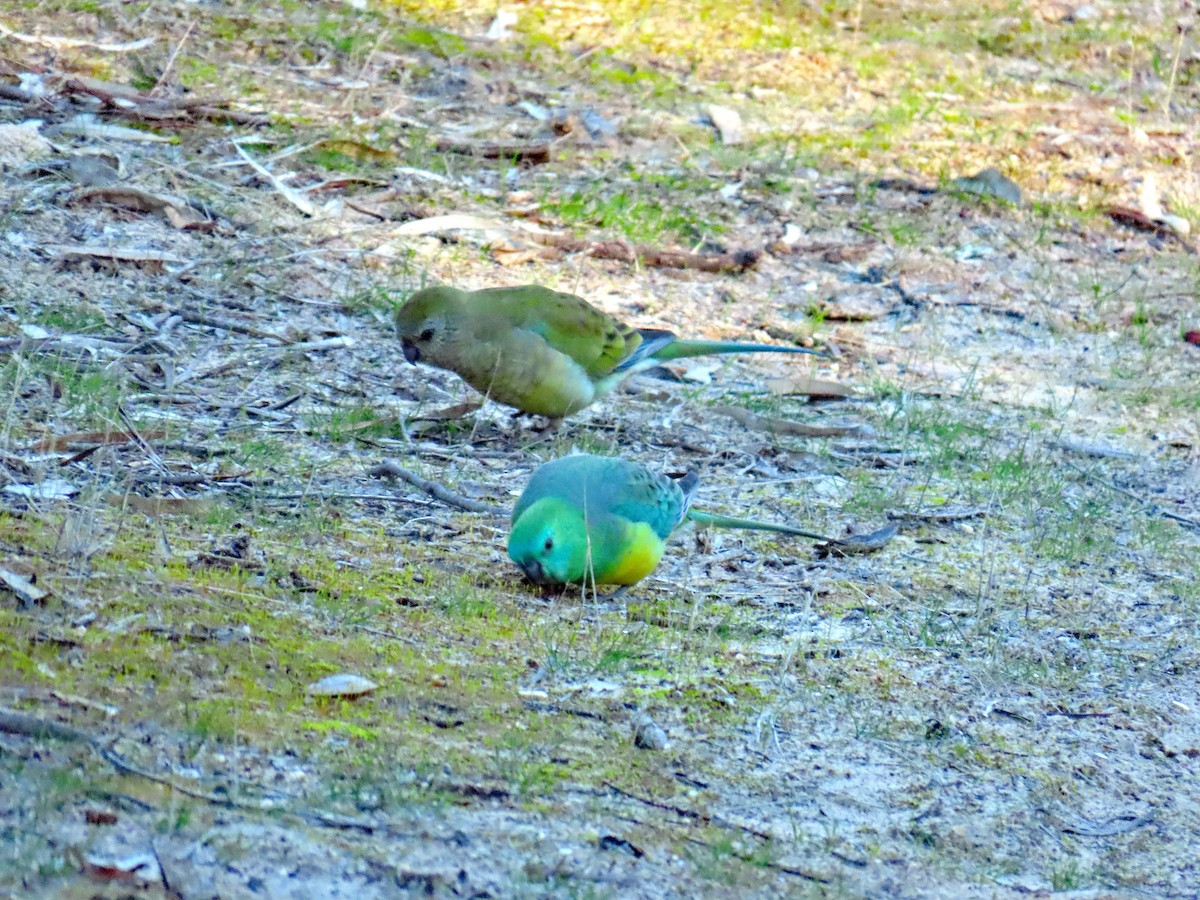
171 61
1142 501
389 469
66 43
31 726
293 197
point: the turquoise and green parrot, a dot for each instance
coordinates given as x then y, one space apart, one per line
600 520
542 351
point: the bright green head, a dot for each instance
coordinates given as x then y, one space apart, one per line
549 543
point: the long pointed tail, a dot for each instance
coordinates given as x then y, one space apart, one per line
678 349
719 521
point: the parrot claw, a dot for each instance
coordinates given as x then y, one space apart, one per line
618 594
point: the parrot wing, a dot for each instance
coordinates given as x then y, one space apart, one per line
640 495
607 486
597 342
651 341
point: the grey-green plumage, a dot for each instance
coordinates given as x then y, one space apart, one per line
542 351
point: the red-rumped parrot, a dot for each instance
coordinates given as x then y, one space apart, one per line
602 520
542 351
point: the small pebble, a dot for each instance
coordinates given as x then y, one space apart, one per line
648 736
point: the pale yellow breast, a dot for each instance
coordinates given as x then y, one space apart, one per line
522 370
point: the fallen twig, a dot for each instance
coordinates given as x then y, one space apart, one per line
684 812
1087 448
170 478
90 440
66 43
785 426
389 469
773 866
937 515
526 154
859 543
1133 218
129 102
291 195
733 261
1110 827
200 319
149 259
12 722
1146 504
166 70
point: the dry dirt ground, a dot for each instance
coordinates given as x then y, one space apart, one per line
198 252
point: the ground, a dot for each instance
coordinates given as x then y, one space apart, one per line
201 244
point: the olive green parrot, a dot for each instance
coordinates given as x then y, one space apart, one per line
542 351
600 520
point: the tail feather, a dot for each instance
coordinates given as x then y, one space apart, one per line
719 521
680 348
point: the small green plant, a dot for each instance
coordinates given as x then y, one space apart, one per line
355 422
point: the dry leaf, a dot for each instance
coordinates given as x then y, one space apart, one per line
356 150
816 388
187 219
140 868
86 125
342 685
519 257
451 222
20 144
27 592
728 124
50 489
524 154
127 197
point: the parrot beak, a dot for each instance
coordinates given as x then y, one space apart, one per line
533 571
411 353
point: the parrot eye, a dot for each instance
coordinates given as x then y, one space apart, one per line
426 335
549 545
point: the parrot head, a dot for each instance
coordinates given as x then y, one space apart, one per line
427 323
549 543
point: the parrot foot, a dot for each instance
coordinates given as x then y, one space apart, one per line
547 424
618 594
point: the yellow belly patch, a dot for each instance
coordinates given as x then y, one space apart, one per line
640 554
